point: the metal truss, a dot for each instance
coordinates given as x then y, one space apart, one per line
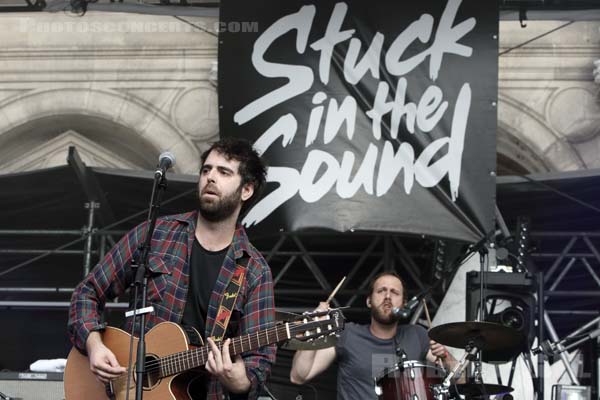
571 265
305 267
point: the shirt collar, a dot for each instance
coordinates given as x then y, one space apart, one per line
240 243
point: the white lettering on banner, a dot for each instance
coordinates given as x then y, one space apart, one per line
322 172
300 78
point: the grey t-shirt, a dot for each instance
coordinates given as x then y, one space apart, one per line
363 357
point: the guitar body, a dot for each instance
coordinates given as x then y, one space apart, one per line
171 366
164 339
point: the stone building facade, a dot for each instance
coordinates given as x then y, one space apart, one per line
121 87
124 87
548 113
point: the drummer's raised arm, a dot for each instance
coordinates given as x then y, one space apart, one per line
309 363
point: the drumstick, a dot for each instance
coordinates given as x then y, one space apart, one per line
335 290
427 313
430 324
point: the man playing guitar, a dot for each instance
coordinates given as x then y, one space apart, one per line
193 258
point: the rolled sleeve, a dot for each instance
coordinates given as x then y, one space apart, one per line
106 281
259 315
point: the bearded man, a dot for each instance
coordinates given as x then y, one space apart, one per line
364 352
192 260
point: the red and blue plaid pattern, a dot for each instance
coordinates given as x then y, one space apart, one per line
167 289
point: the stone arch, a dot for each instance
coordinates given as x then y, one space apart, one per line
515 157
525 137
116 121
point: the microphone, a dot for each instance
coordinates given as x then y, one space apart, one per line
165 161
409 307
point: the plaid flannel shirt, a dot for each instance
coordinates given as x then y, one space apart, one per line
168 262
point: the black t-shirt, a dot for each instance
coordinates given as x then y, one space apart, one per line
204 270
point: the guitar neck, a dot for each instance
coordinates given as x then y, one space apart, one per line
180 362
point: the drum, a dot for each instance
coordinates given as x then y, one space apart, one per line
409 380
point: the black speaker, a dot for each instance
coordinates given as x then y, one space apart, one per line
32 385
515 292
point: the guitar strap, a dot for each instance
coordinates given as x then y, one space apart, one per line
228 300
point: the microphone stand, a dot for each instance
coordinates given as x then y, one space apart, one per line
139 265
415 305
571 341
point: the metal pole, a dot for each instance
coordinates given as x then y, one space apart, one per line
597 352
562 355
102 251
541 314
87 257
52 304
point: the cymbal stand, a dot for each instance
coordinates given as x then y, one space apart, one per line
442 392
470 354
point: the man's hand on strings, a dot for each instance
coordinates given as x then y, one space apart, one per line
231 373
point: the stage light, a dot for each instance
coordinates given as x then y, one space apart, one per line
523 224
509 301
439 259
567 392
513 317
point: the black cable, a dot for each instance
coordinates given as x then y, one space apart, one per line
562 194
558 192
195 26
535 38
266 389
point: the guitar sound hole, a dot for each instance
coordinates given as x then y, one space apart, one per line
152 375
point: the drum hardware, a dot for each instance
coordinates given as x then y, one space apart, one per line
481 389
475 337
470 355
440 392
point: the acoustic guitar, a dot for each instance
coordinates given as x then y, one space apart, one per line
170 359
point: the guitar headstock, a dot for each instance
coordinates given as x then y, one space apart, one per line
317 324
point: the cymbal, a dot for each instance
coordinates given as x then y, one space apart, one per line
315 344
497 342
481 389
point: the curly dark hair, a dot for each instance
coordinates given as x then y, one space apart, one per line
252 168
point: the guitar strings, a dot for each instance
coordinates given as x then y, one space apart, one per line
174 359
202 352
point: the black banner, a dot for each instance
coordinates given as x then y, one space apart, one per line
376 116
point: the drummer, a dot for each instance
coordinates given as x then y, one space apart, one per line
364 351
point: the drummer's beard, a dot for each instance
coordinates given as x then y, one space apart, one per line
381 316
